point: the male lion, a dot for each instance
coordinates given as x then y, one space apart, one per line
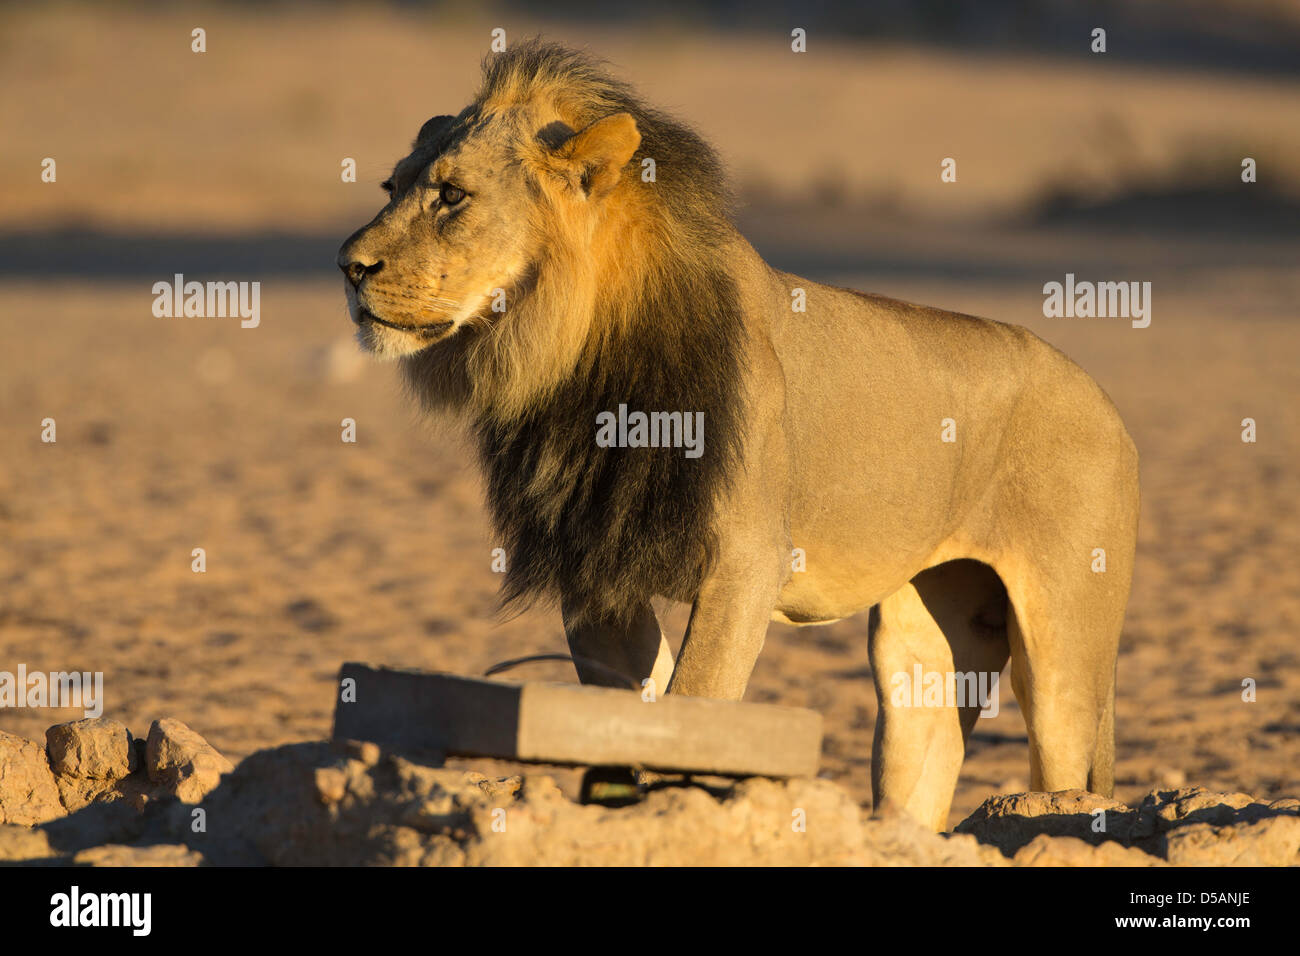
530 275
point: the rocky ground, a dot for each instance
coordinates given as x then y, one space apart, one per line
96 795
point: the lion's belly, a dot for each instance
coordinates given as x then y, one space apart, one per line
781 617
830 582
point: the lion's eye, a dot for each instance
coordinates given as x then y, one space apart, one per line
450 194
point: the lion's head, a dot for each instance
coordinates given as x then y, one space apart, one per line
525 215
554 251
471 210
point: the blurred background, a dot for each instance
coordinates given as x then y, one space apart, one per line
175 434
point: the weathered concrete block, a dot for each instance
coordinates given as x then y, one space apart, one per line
574 724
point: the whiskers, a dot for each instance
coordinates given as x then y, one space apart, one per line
410 307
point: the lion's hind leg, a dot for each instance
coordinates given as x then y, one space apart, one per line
1064 644
946 625
1062 526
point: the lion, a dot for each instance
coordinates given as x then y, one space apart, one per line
559 255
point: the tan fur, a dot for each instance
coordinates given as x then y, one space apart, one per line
969 552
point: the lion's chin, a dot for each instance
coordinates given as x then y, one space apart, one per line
389 341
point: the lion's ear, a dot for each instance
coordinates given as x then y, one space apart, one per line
433 129
598 153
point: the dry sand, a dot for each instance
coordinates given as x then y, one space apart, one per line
195 433
150 136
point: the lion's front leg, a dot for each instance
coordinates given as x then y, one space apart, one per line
634 648
727 628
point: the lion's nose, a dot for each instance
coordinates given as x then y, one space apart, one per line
358 269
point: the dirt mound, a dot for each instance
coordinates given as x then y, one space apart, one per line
1189 826
96 795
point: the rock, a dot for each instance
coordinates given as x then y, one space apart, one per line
1186 826
1015 820
101 822
1043 850
76 793
97 748
28 794
1200 805
135 790
161 854
331 784
1274 841
1163 810
95 761
365 751
181 763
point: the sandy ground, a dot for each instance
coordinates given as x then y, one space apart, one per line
180 434
261 122
175 434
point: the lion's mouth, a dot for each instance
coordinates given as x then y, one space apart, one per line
431 331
